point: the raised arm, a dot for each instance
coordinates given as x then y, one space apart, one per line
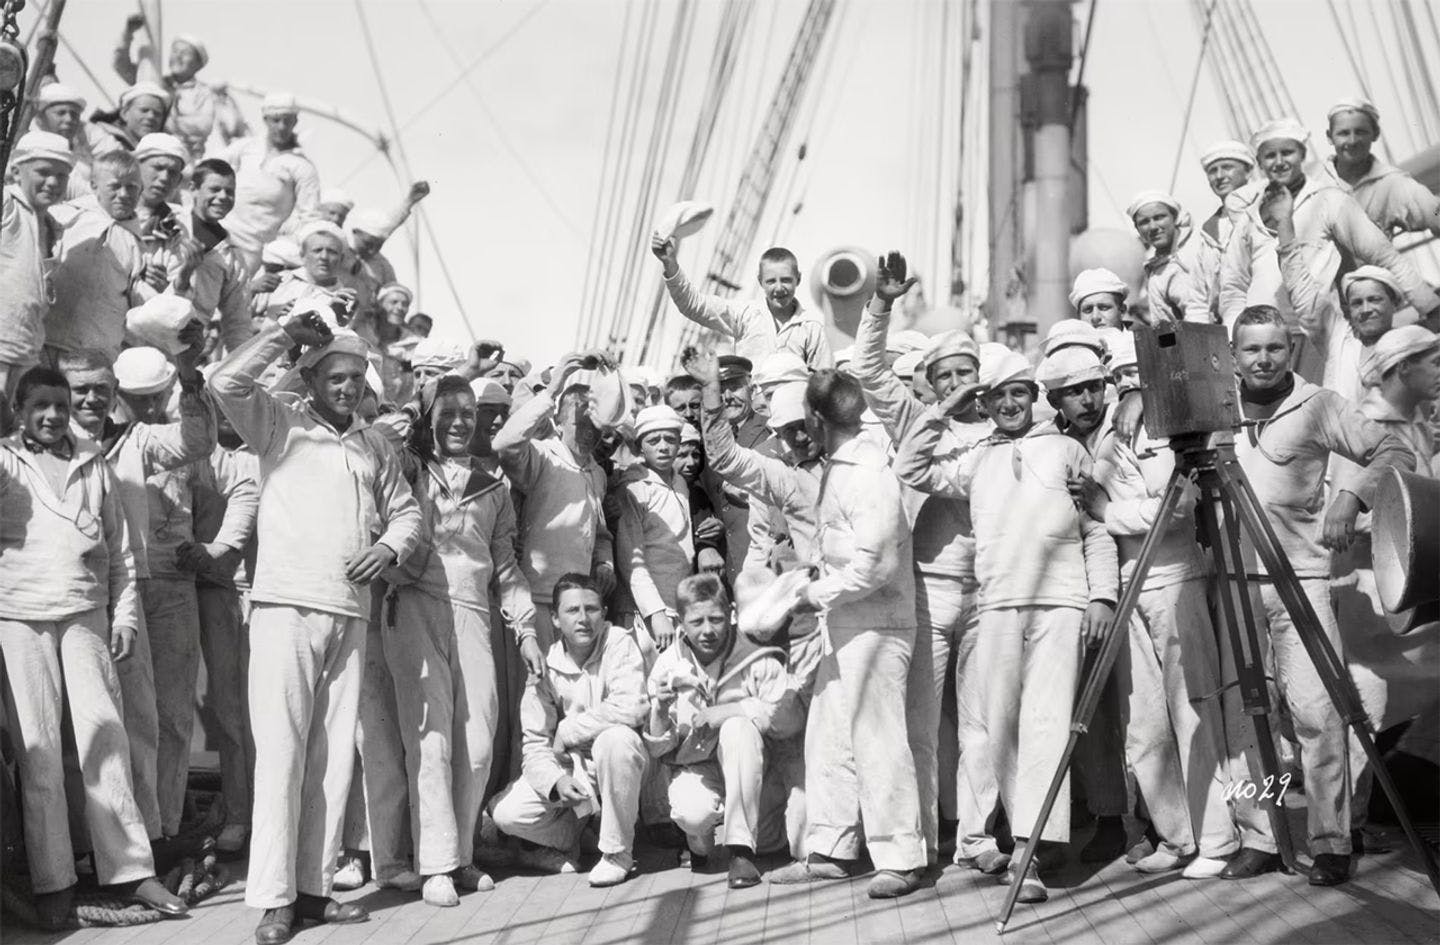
1357 235
768 478
168 446
256 416
893 402
710 311
919 466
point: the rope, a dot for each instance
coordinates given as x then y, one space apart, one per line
195 877
1190 100
620 174
475 63
584 329
394 127
1412 32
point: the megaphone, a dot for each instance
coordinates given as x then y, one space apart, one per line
842 282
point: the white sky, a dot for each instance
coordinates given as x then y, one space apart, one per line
515 236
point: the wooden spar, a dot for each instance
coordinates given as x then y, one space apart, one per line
44 58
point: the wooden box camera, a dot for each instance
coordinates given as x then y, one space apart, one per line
1187 377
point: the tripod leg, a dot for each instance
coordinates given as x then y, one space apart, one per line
1115 637
1328 664
1242 628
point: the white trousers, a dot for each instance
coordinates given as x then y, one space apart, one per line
305 668
50 666
444 673
172 615
1183 644
722 790
1025 664
377 814
142 725
225 643
619 757
1323 751
944 616
859 771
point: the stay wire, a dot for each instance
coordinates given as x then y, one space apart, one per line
440 96
620 177
586 328
394 125
1190 100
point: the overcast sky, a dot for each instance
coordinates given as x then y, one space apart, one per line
514 153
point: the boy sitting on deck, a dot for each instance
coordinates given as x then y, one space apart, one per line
713 699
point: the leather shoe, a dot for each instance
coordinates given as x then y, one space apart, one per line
1330 869
150 892
327 910
277 926
1250 862
742 871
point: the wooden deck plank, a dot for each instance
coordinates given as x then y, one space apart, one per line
1385 902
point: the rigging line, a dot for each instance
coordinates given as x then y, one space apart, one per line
683 34
1409 122
1362 76
1233 120
1190 101
475 63
584 328
808 142
821 135
1237 74
933 240
424 219
620 172
1408 71
89 74
1084 57
498 128
613 251
1258 66
732 29
640 208
1427 82
394 127
1267 58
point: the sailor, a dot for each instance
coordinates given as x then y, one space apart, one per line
1391 198
654 547
335 511
583 752
1042 589
275 182
1330 228
758 328
944 550
562 529
1227 166
439 643
711 709
1175 639
1170 271
40 167
67 610
866 594
1285 458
